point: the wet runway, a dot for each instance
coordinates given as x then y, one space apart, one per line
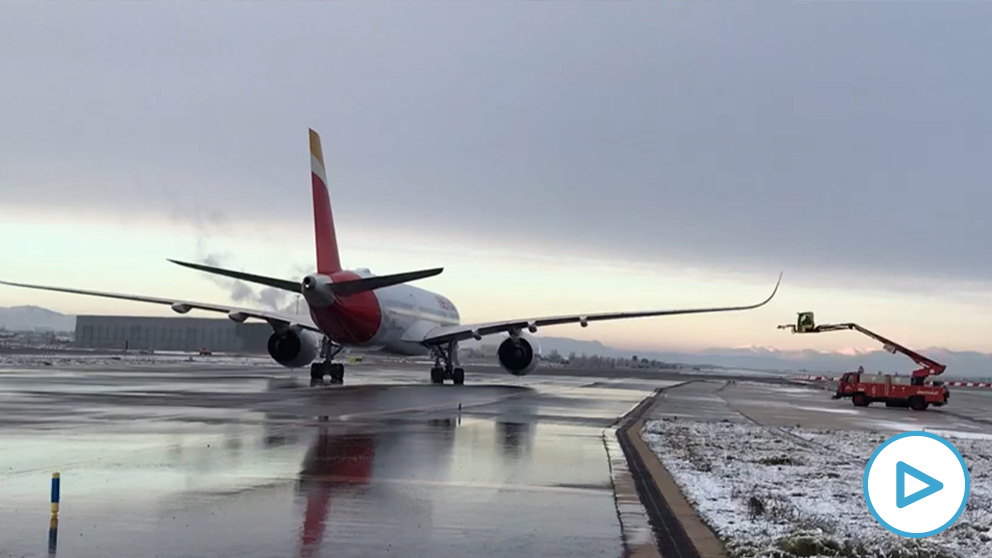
968 413
178 461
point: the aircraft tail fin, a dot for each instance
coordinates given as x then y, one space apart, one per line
328 259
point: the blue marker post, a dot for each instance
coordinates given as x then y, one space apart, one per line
53 525
55 493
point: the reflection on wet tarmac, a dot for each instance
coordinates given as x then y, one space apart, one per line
276 434
445 424
333 462
378 470
514 437
53 536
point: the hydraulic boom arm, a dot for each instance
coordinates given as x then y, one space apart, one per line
805 324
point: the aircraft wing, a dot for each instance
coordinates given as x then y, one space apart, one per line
277 320
447 334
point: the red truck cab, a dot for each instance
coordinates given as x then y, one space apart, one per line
915 392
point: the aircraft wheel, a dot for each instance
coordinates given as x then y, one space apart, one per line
458 375
437 375
337 373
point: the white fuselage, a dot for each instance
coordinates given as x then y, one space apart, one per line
408 314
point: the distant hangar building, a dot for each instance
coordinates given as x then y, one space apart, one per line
171 334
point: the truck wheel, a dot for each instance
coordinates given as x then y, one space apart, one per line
860 400
918 404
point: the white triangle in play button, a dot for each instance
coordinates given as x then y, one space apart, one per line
914 485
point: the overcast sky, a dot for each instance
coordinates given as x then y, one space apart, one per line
554 157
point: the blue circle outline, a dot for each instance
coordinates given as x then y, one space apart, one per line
964 467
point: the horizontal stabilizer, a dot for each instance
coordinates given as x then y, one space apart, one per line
283 284
345 288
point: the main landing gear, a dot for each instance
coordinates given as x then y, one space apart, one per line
449 370
327 366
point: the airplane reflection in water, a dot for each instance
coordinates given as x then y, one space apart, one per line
384 481
338 469
334 463
342 465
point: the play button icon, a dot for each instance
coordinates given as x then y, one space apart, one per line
932 485
909 468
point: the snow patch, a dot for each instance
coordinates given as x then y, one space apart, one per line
797 492
895 425
796 390
830 410
961 435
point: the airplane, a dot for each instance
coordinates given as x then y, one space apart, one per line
356 308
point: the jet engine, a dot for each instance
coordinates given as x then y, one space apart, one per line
519 356
294 347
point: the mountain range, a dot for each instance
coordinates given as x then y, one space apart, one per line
960 364
31 318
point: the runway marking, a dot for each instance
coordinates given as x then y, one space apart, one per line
265 483
782 433
460 484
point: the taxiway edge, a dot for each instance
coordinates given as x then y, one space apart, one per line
678 529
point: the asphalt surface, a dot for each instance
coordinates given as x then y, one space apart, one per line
184 459
193 461
968 413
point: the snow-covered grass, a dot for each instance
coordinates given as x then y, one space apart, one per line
768 494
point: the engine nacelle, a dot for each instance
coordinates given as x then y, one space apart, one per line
293 347
519 356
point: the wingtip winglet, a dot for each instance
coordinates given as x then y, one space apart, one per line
775 290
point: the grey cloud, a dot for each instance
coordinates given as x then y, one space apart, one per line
205 225
842 140
301 270
245 293
212 259
273 298
241 292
